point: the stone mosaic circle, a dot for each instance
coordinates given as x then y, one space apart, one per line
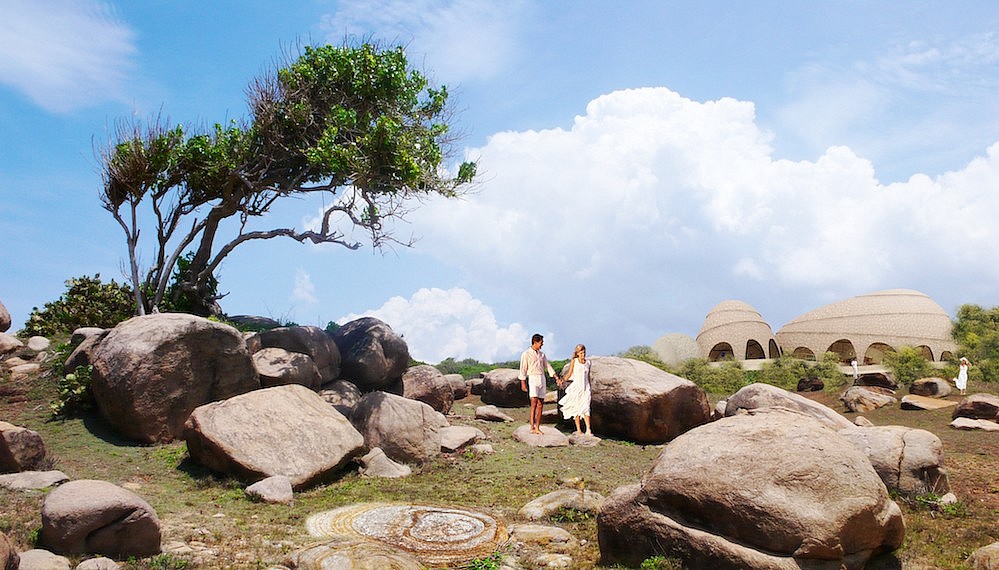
434 535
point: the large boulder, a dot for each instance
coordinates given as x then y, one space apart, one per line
373 356
428 385
86 341
97 517
638 402
407 430
9 343
277 367
286 430
342 395
21 449
931 387
459 387
501 387
978 407
308 340
879 379
863 399
4 318
151 372
770 488
757 396
908 460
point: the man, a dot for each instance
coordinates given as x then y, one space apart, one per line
533 364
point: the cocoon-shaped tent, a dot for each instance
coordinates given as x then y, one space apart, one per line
735 329
867 326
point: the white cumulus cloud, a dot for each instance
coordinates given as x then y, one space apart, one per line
438 324
64 54
653 203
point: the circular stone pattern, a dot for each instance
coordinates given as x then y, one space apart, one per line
434 535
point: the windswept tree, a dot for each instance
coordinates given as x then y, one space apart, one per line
353 124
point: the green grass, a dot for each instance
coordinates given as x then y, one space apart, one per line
196 506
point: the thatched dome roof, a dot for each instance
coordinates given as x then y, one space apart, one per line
867 325
734 328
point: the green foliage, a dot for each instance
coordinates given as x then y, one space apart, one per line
74 394
177 298
976 332
492 562
785 372
907 364
87 303
660 563
471 368
353 124
643 353
570 515
727 378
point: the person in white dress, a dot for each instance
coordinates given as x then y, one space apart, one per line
576 401
962 375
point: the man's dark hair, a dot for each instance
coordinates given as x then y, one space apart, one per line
536 338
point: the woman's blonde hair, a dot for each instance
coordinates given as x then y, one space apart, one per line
578 348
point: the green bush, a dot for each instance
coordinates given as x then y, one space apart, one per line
785 372
908 365
87 303
725 379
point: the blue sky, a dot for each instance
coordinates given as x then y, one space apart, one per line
640 162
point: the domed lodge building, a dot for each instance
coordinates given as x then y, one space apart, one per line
865 327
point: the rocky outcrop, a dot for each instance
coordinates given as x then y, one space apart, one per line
308 340
373 356
501 387
97 517
286 430
759 396
804 497
4 318
376 464
930 387
638 402
459 387
978 407
278 367
21 449
342 395
862 399
908 460
273 490
426 384
408 431
151 372
879 379
546 505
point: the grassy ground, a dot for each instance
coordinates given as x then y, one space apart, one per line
224 529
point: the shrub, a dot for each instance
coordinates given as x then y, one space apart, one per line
725 379
908 365
87 303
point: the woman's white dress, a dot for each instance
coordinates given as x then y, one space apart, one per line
962 377
576 401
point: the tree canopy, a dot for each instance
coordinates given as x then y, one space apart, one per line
354 123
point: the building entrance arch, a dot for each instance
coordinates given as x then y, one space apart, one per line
843 349
876 353
754 350
721 351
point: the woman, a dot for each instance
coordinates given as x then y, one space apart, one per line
962 375
576 402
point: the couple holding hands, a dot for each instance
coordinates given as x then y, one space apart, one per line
575 403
